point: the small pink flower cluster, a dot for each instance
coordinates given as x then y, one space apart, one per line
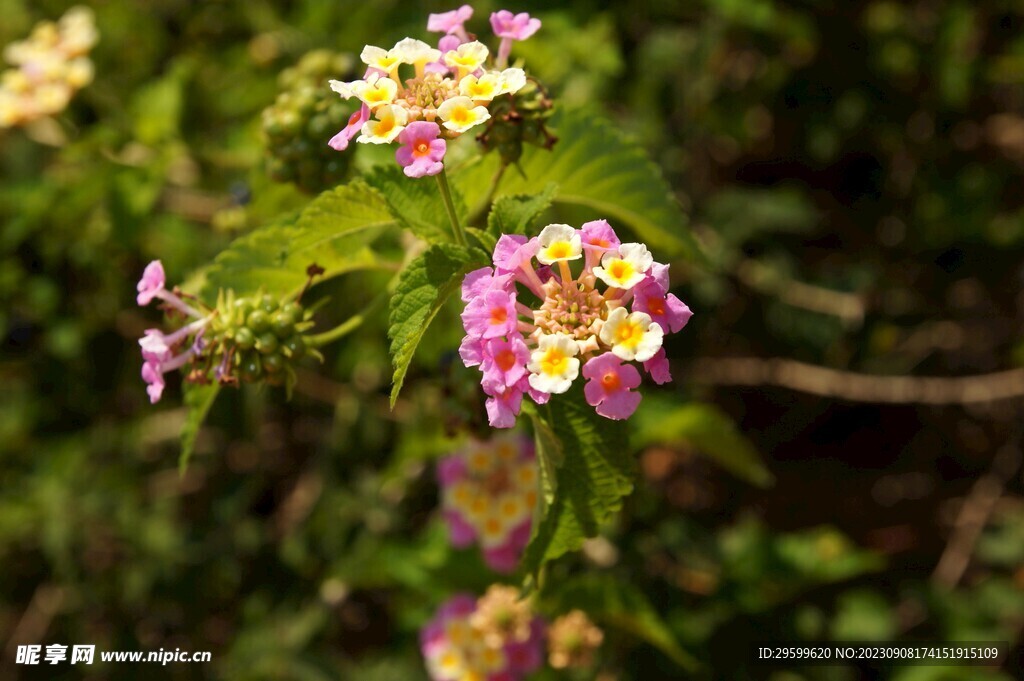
536 339
158 348
494 638
489 491
449 91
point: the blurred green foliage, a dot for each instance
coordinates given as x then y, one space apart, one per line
827 154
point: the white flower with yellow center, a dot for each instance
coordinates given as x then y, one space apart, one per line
493 530
390 121
559 243
467 57
631 335
415 52
459 114
512 509
512 81
626 268
482 89
381 59
447 664
376 91
344 89
553 365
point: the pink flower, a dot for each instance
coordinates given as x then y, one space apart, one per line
515 26
421 152
450 470
598 238
503 409
509 27
460 533
153 285
471 350
450 22
598 235
355 123
156 364
152 282
527 656
157 342
667 310
505 558
153 375
658 369
512 250
505 361
478 282
491 316
609 386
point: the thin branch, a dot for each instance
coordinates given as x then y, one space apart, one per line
974 515
854 387
848 307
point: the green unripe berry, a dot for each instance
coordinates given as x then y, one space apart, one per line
251 369
273 363
294 347
267 343
268 304
258 321
244 338
283 324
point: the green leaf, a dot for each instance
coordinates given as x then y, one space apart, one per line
595 167
707 429
198 400
422 289
616 603
593 471
416 203
335 231
515 214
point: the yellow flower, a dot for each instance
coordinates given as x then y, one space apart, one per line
553 365
375 91
557 243
626 268
390 121
468 57
459 114
381 59
632 335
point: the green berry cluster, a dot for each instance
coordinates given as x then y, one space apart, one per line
519 119
304 117
259 339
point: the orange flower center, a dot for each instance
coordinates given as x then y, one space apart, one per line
499 315
656 306
421 149
506 359
611 381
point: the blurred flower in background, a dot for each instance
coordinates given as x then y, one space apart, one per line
48 68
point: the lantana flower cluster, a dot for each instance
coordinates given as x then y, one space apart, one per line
533 326
49 67
494 638
423 96
489 491
242 339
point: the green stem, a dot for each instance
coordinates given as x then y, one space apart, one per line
481 210
350 324
446 194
